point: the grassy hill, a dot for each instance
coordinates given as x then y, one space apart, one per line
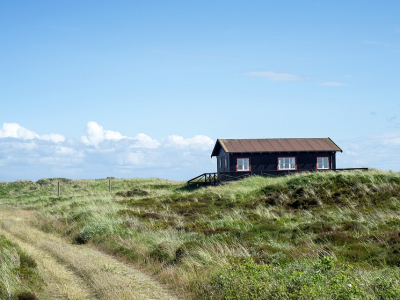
305 236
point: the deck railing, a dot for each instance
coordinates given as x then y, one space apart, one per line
203 179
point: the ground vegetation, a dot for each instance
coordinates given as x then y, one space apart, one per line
322 235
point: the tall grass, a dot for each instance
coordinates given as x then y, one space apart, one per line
281 230
19 277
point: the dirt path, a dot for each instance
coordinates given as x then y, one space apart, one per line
78 272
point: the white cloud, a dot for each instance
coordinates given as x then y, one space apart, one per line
101 153
95 134
391 139
67 151
201 142
132 159
27 155
333 83
144 141
54 137
376 151
276 76
14 130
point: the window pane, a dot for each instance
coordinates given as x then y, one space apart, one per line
286 163
243 164
323 162
326 163
246 164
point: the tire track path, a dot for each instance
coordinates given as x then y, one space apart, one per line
78 272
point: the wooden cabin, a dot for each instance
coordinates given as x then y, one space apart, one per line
274 156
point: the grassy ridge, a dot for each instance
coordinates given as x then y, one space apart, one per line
305 236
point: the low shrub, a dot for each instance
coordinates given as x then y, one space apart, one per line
334 237
186 249
315 227
305 203
164 252
134 192
90 231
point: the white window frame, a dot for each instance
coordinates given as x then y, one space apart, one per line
325 163
287 163
241 164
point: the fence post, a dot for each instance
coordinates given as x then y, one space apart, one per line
58 189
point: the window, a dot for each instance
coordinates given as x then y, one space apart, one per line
219 162
322 162
226 163
287 163
243 164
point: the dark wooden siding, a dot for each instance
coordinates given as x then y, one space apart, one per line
222 156
269 161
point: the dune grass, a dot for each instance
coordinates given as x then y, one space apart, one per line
304 236
19 278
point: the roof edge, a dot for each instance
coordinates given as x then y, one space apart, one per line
215 150
335 145
223 145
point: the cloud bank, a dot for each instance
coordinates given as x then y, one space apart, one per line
376 151
14 130
100 153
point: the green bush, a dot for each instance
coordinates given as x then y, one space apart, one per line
90 231
244 279
163 252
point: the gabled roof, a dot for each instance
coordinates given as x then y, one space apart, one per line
275 145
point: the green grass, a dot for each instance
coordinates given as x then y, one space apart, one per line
19 277
304 236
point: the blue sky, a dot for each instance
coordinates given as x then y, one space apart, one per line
143 88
